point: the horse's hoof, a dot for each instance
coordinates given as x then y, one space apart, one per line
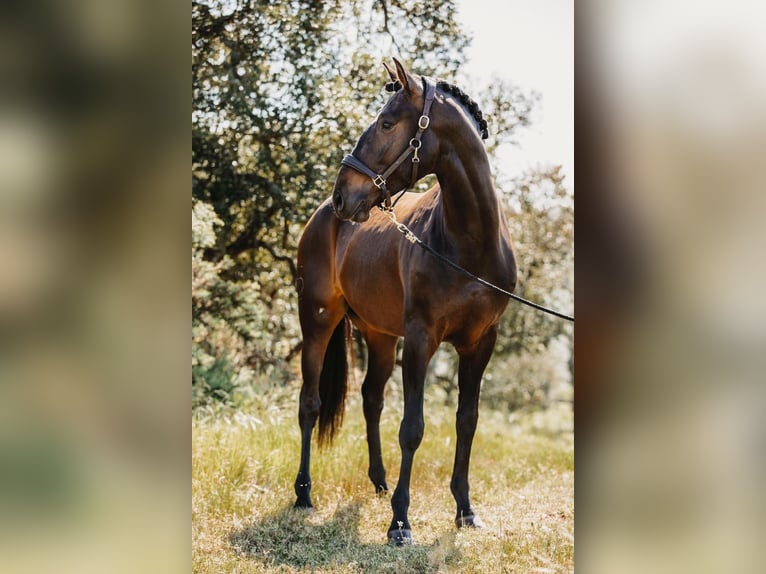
381 489
469 521
400 537
303 504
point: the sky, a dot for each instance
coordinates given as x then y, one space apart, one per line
531 44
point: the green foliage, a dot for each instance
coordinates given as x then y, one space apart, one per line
212 382
281 90
233 320
532 362
509 109
540 213
528 380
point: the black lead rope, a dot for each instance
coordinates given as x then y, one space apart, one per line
412 238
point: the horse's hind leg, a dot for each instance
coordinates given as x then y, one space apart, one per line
320 308
472 363
381 351
318 324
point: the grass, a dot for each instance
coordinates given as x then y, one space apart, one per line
244 464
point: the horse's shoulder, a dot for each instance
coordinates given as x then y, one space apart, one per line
322 217
320 230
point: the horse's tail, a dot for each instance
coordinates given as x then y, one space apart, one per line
332 384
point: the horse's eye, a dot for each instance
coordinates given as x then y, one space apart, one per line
386 126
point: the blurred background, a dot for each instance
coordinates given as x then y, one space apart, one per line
670 345
94 316
94 181
94 319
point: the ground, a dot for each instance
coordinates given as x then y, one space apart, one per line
244 464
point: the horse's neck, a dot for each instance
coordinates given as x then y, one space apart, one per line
471 211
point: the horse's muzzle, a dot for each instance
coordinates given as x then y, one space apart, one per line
361 213
345 211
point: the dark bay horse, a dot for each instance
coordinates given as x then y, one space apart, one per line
354 264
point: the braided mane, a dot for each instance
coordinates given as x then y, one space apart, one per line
467 102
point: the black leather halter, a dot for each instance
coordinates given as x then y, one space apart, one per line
379 179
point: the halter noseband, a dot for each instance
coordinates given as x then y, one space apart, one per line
379 180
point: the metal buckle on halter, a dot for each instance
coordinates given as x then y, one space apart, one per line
423 122
378 181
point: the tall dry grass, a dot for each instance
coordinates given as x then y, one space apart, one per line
245 461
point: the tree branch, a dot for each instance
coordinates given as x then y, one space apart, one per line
294 351
283 258
384 6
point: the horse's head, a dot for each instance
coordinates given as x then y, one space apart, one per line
386 141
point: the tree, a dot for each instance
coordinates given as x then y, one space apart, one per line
534 349
540 213
281 90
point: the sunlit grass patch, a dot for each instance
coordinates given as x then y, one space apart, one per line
244 465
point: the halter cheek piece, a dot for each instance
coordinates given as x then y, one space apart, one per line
379 180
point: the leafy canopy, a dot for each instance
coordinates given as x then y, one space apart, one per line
281 91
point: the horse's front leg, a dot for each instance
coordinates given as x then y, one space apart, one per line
419 347
473 361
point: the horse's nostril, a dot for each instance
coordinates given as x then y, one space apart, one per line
337 201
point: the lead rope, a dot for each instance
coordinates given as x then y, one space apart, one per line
412 238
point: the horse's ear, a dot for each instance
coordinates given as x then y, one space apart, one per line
391 73
404 77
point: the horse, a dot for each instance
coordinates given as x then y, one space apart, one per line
354 265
